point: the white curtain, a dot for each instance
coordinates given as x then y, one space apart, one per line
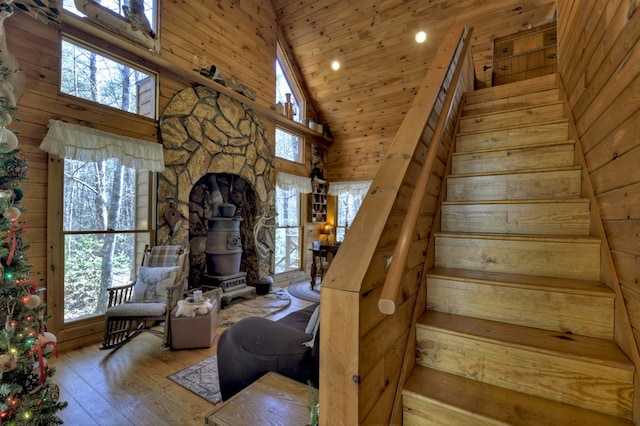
288 182
68 140
355 188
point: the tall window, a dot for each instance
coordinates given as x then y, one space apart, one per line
90 75
105 218
289 146
287 84
101 222
288 222
350 196
288 230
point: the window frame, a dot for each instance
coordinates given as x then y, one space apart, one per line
115 58
84 327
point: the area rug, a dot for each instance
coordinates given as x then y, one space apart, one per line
302 290
201 378
261 306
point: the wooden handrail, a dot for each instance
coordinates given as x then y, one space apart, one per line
393 282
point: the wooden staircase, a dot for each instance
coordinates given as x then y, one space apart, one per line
518 328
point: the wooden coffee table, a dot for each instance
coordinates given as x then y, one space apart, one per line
273 399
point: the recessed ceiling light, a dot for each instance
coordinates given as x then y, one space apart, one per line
335 65
421 36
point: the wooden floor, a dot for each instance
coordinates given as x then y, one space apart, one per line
129 386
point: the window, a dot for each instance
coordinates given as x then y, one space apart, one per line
350 196
105 211
288 221
287 84
121 8
288 230
101 223
90 75
289 146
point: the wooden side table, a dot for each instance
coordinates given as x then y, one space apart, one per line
273 399
321 259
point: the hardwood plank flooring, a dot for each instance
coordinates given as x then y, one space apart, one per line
129 386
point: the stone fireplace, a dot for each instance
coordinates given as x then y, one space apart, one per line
213 141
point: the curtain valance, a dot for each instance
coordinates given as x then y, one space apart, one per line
355 188
288 182
75 142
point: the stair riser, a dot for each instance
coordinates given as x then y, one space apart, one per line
509 90
580 314
526 218
515 186
528 116
514 159
419 412
508 138
572 381
515 101
579 260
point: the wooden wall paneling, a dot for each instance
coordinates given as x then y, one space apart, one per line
623 53
620 172
602 56
620 141
621 203
624 235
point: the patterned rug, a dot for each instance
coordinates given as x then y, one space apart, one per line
201 378
261 306
302 290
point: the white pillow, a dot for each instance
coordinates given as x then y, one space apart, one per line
152 283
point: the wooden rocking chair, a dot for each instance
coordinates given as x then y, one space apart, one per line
141 305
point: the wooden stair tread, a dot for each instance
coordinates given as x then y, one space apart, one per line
495 405
565 285
590 349
576 239
498 113
516 148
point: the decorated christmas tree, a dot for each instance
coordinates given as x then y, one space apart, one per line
27 395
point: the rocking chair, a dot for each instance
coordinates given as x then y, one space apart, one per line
141 305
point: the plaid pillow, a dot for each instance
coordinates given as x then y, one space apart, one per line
163 256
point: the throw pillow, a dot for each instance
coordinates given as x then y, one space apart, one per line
152 283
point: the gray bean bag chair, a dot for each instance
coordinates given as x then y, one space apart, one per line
254 346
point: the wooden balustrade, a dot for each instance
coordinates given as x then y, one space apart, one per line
393 282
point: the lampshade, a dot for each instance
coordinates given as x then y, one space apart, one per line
328 229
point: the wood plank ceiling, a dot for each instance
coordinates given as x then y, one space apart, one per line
381 65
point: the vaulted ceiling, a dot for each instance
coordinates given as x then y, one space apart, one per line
381 64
